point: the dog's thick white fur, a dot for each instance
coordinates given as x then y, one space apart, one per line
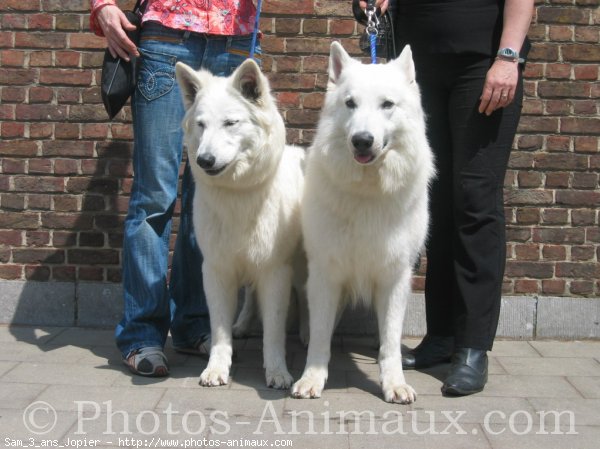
246 207
364 210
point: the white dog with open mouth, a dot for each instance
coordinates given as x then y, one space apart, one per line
246 207
364 210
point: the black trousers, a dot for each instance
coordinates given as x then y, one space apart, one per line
466 249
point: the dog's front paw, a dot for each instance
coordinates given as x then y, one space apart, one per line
308 387
213 376
279 379
399 393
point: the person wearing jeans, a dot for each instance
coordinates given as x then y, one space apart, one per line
468 57
214 36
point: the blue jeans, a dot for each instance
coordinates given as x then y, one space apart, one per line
154 305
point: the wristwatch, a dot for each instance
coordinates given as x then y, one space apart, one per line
508 54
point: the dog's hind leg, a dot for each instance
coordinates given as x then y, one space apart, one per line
323 301
390 303
274 288
241 327
221 296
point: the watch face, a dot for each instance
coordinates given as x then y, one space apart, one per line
508 52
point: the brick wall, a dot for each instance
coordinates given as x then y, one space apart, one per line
65 170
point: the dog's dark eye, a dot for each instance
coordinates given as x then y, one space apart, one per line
200 124
230 122
350 103
387 104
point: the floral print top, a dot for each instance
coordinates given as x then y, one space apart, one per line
222 17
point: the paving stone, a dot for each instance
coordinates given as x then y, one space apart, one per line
19 396
467 436
502 385
246 403
84 337
534 437
59 366
60 374
6 366
513 349
588 386
91 399
587 349
473 409
585 410
146 429
38 422
28 334
333 403
549 366
304 433
180 377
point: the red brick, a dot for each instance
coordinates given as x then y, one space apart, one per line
586 72
12 58
10 237
93 256
40 21
559 235
11 271
40 59
40 166
286 7
37 273
553 286
583 217
288 26
66 77
18 148
11 130
37 238
19 5
40 95
554 252
13 21
19 220
40 40
37 201
18 77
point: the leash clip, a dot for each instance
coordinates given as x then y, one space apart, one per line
372 20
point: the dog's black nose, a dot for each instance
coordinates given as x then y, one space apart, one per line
362 141
206 160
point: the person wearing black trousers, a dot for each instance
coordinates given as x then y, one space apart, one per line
469 59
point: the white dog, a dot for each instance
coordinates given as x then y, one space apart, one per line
246 207
364 210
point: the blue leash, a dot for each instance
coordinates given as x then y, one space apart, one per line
372 22
255 32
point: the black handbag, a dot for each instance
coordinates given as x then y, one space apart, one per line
385 39
119 77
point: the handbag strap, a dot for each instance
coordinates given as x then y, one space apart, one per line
140 7
255 31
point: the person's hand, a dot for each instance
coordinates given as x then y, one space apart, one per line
383 4
114 24
500 85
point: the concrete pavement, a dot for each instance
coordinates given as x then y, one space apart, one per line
67 387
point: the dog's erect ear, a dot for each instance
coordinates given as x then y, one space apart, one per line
189 83
249 80
338 58
405 63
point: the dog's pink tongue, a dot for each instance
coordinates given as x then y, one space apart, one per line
362 159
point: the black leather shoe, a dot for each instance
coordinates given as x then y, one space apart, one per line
468 372
433 350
